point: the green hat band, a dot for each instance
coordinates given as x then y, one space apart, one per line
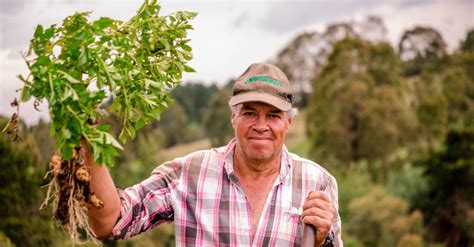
264 79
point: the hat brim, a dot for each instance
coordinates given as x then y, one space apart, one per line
275 101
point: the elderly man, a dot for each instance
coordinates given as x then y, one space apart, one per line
252 192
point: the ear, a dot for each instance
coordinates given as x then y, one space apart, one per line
233 119
290 120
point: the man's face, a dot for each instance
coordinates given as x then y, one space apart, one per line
260 130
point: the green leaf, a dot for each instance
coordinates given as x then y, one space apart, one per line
66 133
38 31
140 123
69 93
164 104
189 69
109 139
49 33
66 152
149 100
191 14
151 83
102 23
68 77
122 136
104 127
178 64
131 132
186 47
82 57
25 93
95 151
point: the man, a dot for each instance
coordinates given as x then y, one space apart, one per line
252 192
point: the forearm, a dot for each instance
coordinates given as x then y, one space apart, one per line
102 220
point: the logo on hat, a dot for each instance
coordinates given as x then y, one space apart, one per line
263 78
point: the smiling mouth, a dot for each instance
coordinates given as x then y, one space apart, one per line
260 138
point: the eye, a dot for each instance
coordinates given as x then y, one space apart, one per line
275 116
248 113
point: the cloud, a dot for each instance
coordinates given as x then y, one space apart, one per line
288 16
451 18
11 7
11 27
412 3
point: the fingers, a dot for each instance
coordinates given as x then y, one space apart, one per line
321 212
318 195
321 224
318 209
317 199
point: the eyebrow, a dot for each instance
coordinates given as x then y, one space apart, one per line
249 107
277 111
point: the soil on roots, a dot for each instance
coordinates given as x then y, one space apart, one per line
70 188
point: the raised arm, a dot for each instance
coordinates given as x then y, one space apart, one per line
101 220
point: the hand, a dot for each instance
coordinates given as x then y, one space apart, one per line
320 213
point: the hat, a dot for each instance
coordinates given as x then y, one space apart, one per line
265 83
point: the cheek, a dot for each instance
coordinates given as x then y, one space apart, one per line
238 127
281 132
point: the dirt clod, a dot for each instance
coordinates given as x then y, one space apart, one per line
83 175
96 202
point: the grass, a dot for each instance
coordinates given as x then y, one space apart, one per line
184 149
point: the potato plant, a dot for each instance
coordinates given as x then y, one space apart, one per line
75 66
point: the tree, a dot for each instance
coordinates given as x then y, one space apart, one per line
468 44
41 135
358 104
217 119
445 94
194 98
419 46
448 203
174 123
20 193
380 219
431 108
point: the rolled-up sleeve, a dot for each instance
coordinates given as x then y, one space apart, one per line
147 204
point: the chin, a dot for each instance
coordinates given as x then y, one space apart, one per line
259 155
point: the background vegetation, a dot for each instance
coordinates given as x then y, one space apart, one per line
398 134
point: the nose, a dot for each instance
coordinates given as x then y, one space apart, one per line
261 124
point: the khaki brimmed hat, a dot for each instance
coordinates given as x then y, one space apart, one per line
265 83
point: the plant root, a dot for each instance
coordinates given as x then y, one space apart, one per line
71 193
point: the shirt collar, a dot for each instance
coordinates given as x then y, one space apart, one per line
228 160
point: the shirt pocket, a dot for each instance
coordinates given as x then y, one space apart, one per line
293 224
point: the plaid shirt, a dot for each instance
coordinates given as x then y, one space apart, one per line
202 195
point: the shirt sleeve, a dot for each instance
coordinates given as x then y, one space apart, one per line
335 232
147 204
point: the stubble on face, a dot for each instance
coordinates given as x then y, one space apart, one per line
259 141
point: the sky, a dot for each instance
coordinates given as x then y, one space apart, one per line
228 35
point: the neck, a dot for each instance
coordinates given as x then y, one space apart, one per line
255 169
